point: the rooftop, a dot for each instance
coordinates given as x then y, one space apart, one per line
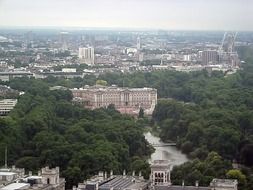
6 173
160 163
224 182
15 186
118 182
174 187
111 88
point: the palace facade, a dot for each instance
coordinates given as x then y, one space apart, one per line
125 100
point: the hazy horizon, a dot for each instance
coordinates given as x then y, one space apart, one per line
217 15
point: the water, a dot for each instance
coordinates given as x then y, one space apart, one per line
171 153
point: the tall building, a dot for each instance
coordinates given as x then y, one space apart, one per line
187 57
28 40
64 38
141 56
125 100
209 57
86 55
138 43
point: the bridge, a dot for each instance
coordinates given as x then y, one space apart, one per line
164 144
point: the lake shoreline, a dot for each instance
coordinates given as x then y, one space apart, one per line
162 152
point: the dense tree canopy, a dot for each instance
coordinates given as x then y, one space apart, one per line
203 112
211 112
46 129
202 171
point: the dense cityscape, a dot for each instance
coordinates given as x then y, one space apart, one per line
126 95
54 53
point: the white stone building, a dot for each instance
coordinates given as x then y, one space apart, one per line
15 179
160 180
6 105
125 100
160 173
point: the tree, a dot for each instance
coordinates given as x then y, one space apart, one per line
246 155
45 128
101 82
29 163
237 174
203 171
187 147
140 165
141 113
73 176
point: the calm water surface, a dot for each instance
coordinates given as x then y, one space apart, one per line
171 153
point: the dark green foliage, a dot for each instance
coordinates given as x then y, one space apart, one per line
46 129
247 154
203 171
141 113
214 114
140 165
202 112
237 174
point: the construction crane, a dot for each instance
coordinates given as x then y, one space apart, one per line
228 42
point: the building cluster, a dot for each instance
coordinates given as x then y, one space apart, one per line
125 100
39 56
225 56
159 180
16 179
49 179
6 91
8 99
102 181
11 74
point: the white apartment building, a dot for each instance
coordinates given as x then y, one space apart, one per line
6 105
86 55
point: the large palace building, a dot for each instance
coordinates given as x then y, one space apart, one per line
125 100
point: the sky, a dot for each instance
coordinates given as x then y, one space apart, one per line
146 14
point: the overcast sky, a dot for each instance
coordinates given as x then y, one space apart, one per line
156 14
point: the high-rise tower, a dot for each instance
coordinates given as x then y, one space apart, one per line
64 38
87 55
138 43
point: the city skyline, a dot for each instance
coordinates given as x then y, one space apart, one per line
148 14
